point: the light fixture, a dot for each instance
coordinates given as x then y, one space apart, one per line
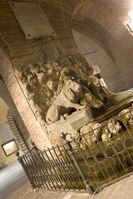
130 22
130 25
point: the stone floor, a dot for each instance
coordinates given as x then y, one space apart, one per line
14 185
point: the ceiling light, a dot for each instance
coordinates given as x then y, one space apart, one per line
130 25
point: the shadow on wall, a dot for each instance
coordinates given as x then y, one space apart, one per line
92 19
96 55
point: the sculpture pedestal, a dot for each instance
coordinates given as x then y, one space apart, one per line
72 123
115 110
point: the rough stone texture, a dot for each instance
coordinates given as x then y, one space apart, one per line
82 128
41 82
31 123
103 21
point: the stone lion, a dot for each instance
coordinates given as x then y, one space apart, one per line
68 98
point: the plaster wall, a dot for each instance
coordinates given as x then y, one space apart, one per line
96 55
99 16
105 24
5 160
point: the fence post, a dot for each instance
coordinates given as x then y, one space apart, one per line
70 150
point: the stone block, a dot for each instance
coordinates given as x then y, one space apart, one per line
73 122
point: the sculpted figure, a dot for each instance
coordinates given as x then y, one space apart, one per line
68 98
77 91
71 94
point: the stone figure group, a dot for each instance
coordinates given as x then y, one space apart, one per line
75 92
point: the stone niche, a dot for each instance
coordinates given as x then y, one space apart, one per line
41 81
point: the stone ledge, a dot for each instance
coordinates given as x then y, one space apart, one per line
115 109
73 122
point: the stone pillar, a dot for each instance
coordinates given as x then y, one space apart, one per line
18 100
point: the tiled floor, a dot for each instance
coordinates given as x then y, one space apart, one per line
14 185
120 190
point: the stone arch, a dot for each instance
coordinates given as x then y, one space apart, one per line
13 119
111 33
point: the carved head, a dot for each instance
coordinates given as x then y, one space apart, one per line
73 87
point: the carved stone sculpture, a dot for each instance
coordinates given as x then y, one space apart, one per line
73 93
44 83
67 99
40 81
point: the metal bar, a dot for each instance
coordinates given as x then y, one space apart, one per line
68 163
29 160
20 159
39 159
55 167
64 174
94 157
68 146
36 171
60 168
49 172
53 171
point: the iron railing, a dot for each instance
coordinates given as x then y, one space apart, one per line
89 162
52 169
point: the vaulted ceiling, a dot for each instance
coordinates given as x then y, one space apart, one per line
102 23
102 20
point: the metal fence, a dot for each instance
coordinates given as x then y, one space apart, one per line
89 162
52 169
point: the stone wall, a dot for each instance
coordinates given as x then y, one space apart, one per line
104 23
97 56
98 18
40 81
24 116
